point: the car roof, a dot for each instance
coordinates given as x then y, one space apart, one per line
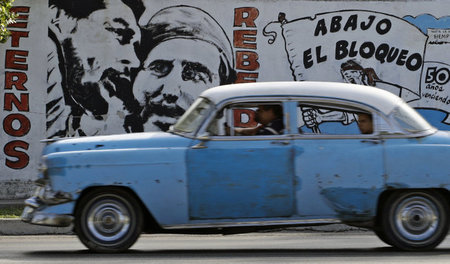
381 100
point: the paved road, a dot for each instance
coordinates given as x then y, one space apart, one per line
280 247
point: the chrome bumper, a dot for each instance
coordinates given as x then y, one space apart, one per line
42 198
30 215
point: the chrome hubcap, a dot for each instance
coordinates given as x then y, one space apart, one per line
108 220
417 218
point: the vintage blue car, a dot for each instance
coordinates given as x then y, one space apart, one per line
256 156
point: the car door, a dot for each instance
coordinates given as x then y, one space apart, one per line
340 171
235 177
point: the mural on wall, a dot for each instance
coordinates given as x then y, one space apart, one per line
96 95
16 95
89 73
155 71
169 82
100 67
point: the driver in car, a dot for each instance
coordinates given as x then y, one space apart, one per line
270 119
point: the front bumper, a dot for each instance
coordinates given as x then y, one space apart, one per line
43 198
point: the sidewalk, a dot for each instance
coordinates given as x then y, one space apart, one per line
11 203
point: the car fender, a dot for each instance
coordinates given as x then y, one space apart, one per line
156 175
417 165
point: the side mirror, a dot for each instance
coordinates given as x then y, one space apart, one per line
203 138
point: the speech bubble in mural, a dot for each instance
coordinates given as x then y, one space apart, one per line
435 88
435 85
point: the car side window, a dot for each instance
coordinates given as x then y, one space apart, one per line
333 120
248 119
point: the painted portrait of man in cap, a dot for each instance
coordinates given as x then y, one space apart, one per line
89 66
186 52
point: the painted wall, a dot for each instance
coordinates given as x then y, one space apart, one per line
76 68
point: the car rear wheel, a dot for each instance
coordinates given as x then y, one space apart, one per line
415 220
108 221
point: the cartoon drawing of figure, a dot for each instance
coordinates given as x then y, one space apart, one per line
188 52
313 117
89 72
352 72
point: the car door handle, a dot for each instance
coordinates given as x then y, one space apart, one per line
284 143
373 141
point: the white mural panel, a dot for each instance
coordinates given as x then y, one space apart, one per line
96 67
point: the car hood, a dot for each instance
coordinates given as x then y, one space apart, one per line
124 141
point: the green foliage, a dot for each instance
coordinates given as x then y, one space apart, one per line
6 18
11 211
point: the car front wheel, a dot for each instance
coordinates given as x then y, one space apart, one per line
108 221
415 220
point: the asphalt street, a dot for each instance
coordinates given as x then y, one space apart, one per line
273 247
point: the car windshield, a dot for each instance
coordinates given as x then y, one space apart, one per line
193 117
409 119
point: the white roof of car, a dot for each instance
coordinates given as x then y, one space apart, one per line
381 100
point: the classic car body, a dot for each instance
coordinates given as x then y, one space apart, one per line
201 178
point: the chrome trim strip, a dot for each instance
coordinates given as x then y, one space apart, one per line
253 223
319 136
51 140
410 135
250 138
324 136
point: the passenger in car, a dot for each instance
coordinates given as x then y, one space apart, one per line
270 119
365 123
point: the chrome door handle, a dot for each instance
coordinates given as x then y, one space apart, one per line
283 142
373 141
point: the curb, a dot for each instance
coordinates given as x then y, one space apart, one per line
15 227
12 203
